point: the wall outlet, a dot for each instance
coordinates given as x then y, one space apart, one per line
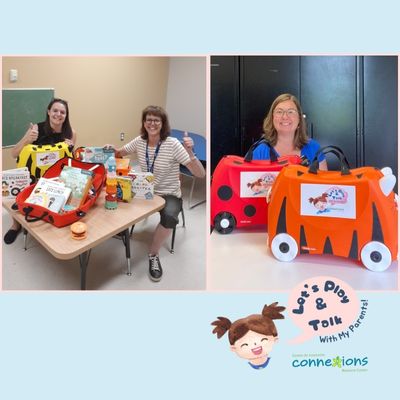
122 136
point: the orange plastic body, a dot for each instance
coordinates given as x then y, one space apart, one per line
122 166
376 215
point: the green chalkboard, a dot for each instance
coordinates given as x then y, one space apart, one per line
20 107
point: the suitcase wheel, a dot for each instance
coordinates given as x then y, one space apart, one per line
224 222
284 247
376 256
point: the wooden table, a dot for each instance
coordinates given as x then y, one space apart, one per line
101 224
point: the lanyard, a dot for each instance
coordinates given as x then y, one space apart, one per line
150 168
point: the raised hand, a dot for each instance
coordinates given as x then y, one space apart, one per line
32 133
188 143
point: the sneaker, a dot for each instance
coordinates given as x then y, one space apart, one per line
11 235
155 270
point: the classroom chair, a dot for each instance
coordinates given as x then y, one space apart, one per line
200 152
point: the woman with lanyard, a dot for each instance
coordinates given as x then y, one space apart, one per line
161 155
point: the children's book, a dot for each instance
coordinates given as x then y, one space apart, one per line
124 188
97 154
142 184
14 181
79 181
49 193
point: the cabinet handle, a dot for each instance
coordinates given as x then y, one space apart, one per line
310 129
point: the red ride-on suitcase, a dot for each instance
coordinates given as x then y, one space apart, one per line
239 188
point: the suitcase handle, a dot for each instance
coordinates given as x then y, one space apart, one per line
272 154
77 154
28 210
338 149
344 164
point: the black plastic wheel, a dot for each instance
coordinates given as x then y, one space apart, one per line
224 223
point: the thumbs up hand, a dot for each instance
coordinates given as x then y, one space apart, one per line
32 133
188 143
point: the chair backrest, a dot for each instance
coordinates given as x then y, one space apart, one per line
199 142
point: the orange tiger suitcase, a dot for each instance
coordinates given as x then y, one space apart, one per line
349 213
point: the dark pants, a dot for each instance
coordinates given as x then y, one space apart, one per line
169 214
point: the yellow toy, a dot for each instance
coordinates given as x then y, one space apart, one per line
39 158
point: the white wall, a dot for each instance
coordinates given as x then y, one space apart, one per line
186 94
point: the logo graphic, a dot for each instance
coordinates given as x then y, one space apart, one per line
337 363
256 184
323 306
47 158
328 201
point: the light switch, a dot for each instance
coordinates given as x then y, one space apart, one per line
13 75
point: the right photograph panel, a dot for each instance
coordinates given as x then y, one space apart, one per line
303 166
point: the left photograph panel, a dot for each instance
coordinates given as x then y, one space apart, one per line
103 173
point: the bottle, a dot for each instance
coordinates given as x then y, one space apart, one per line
111 166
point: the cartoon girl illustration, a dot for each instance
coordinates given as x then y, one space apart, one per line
252 337
262 185
4 188
320 203
257 187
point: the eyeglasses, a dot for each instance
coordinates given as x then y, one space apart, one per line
291 112
152 121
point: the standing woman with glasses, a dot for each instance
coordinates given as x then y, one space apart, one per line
285 129
161 155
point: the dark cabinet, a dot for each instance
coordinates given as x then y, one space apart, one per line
348 101
328 99
380 109
262 79
224 106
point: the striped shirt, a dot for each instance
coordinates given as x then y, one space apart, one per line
166 165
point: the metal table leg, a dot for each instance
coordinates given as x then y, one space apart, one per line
25 238
84 261
126 239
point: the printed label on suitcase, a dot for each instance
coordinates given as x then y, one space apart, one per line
256 183
332 201
48 158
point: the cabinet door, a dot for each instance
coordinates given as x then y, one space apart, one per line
380 111
263 78
225 132
329 100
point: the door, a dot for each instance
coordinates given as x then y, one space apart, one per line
329 101
225 133
380 112
262 80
